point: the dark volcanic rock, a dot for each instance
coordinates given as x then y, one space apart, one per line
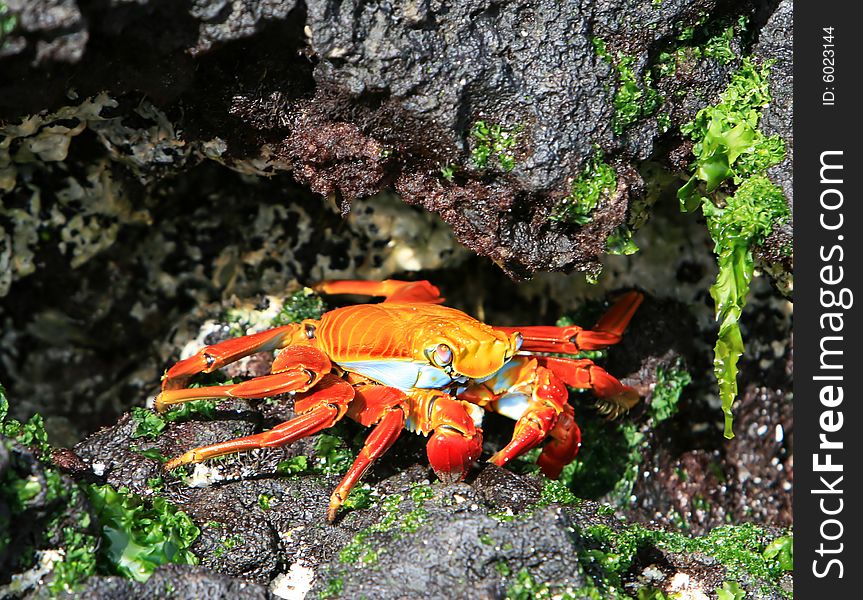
165 174
775 44
358 97
169 582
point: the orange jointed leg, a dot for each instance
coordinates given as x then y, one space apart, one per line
392 289
328 404
573 339
296 369
548 399
210 358
584 374
384 435
564 445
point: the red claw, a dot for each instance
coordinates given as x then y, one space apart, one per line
451 454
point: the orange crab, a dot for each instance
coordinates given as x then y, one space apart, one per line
408 363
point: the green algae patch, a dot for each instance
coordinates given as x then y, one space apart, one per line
729 148
667 391
745 221
492 142
716 43
147 424
334 588
130 535
635 98
138 535
728 144
609 554
596 182
620 242
360 549
8 23
556 491
332 457
299 306
31 434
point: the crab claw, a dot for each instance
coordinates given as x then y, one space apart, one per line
451 453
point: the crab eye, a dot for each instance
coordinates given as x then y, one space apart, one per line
517 341
442 355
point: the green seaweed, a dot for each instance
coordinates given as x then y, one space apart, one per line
729 147
360 498
782 551
447 171
493 141
333 588
360 549
597 181
138 535
745 221
150 424
147 423
635 98
620 242
31 434
228 543
609 554
606 470
667 391
296 465
8 22
728 144
556 491
204 410
265 501
332 456
301 305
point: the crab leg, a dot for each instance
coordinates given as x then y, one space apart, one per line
385 408
296 369
319 409
573 339
210 358
584 374
392 289
540 412
456 442
564 445
531 390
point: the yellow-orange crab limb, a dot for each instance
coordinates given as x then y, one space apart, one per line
573 339
296 369
317 410
391 289
211 358
385 408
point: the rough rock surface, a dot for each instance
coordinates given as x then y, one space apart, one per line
358 97
150 199
170 582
